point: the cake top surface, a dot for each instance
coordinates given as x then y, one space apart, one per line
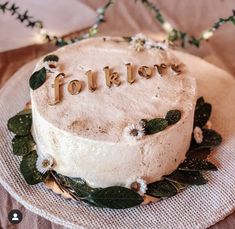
104 113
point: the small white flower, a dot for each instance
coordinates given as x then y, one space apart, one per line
137 184
134 131
44 163
140 42
198 135
208 124
207 34
167 27
163 45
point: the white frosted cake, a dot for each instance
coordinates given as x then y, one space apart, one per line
92 126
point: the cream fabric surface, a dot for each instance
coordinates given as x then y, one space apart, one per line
195 208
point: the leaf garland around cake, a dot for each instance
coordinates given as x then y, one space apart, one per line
202 112
50 58
156 125
20 124
188 173
115 197
29 170
38 78
22 145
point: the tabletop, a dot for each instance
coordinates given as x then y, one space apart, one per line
126 18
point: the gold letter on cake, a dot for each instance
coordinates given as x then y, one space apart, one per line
111 78
57 82
145 72
176 68
130 76
74 87
91 81
160 68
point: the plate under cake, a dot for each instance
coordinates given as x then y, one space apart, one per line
91 135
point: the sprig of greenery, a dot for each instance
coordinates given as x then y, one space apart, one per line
59 41
175 34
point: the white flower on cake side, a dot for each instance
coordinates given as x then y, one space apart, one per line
198 135
140 42
44 163
137 184
134 131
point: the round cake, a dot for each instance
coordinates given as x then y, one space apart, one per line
91 113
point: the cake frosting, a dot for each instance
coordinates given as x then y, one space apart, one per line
85 133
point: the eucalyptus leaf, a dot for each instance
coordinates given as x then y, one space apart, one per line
156 125
29 170
173 116
186 177
210 139
179 187
81 188
115 197
20 124
195 164
161 189
51 58
202 112
38 78
22 145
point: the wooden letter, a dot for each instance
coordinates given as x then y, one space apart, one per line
57 82
74 87
176 68
111 78
91 82
130 76
145 72
160 68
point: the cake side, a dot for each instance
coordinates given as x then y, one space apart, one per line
85 133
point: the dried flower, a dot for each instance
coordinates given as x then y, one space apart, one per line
44 163
198 135
137 42
137 184
140 42
50 65
134 131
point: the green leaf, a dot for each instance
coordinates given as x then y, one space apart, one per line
38 78
195 164
155 125
81 188
199 153
161 189
23 145
186 177
173 116
115 197
210 139
179 187
51 58
20 124
29 170
202 112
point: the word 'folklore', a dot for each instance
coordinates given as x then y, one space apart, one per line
111 78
